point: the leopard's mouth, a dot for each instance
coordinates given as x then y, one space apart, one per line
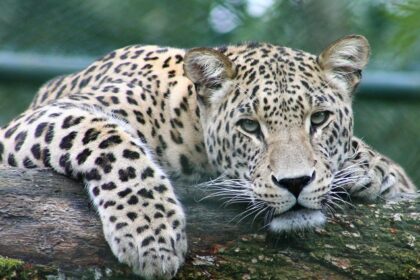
297 218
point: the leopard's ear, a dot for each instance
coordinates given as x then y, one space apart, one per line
343 61
208 68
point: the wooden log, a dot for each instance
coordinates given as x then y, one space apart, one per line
47 219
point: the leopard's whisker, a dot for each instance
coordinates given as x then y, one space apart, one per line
264 209
253 208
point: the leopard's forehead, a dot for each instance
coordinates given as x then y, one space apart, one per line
278 83
272 61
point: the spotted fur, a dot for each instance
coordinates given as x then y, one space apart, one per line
137 119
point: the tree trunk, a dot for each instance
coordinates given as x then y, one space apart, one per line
47 221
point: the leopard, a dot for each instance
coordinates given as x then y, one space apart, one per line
274 123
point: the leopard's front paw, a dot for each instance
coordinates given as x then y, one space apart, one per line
154 246
371 184
369 175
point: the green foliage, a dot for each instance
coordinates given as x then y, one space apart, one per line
8 266
12 269
407 18
95 27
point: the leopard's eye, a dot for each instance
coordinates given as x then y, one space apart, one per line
249 126
319 118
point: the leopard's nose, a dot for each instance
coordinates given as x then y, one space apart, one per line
294 185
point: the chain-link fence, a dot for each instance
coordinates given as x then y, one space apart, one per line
39 39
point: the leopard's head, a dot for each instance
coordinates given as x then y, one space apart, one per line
280 120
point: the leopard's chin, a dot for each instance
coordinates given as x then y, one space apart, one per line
297 220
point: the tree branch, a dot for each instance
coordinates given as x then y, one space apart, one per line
46 218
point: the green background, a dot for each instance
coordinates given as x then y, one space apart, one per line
387 117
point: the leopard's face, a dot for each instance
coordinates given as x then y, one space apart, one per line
280 122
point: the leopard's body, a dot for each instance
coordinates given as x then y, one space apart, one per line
277 119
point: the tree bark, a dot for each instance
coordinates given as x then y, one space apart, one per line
47 219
